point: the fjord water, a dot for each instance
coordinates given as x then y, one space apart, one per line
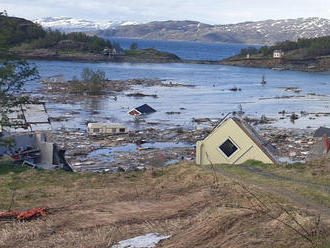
211 97
186 49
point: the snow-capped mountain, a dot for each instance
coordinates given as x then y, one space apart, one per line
261 32
68 24
273 31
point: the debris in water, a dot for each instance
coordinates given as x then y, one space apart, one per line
235 89
263 81
142 110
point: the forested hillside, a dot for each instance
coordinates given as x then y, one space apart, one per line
302 48
24 34
14 31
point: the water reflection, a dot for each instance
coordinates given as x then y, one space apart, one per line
93 105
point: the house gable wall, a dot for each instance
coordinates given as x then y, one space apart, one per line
247 148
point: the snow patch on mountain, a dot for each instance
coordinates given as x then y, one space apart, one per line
69 24
279 30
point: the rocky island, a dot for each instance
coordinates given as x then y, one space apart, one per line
136 56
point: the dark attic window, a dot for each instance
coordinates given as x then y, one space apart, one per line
228 148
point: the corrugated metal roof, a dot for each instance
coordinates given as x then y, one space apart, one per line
35 113
41 127
321 131
28 117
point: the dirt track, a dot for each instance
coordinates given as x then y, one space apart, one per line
282 191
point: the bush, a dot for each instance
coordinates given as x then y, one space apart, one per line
91 83
133 46
249 50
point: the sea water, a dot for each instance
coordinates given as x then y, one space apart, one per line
211 97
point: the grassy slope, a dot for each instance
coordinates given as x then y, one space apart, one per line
97 210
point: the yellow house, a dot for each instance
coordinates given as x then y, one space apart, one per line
233 141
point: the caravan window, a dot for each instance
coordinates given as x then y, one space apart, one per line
96 130
122 130
228 148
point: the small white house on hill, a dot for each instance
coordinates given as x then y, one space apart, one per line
278 54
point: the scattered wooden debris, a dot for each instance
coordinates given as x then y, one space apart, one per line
138 94
235 89
23 215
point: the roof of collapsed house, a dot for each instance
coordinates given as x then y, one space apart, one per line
143 109
28 117
321 131
267 148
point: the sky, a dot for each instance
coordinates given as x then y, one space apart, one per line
207 11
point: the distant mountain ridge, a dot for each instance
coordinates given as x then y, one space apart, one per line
69 24
261 32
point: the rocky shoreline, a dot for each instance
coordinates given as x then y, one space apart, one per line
51 54
318 64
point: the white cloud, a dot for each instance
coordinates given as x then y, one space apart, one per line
209 11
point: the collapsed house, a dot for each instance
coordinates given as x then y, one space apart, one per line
321 146
142 110
105 129
28 118
321 131
19 141
233 141
33 150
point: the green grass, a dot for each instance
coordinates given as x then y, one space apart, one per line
297 171
298 166
294 171
6 168
257 164
31 185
